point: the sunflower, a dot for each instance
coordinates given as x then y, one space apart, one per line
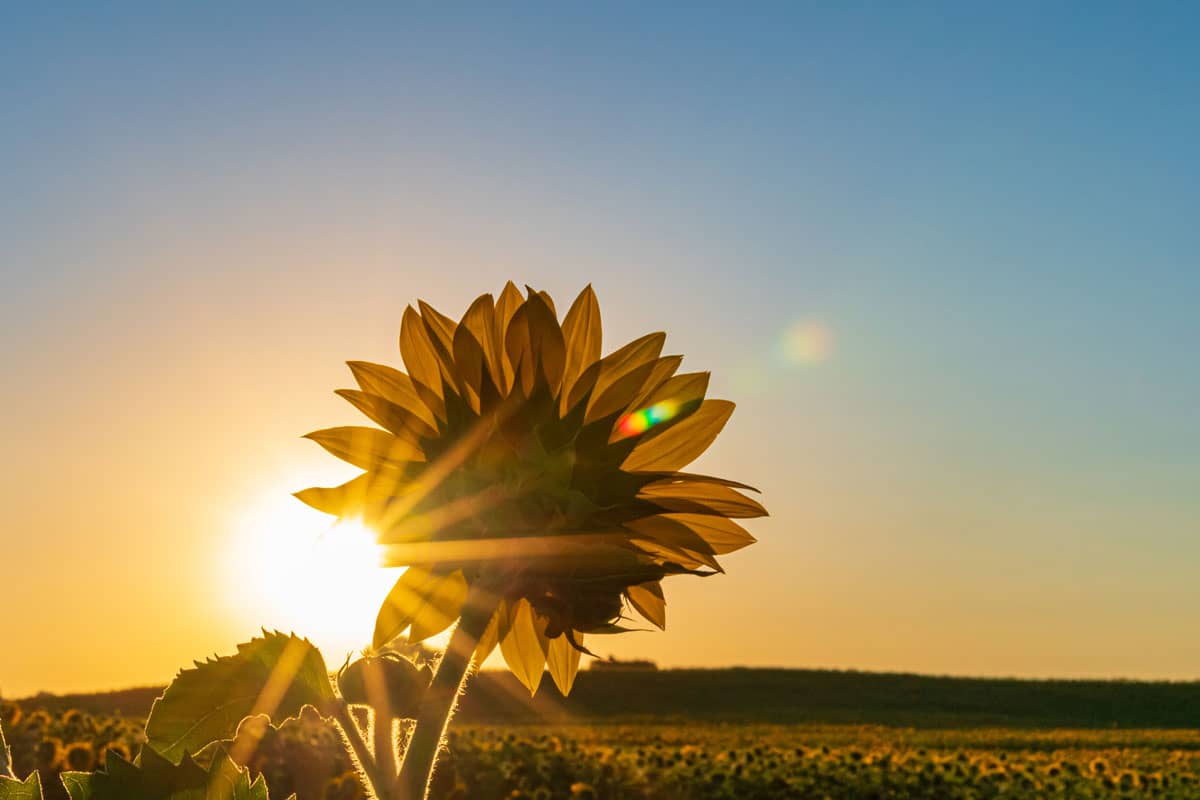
516 470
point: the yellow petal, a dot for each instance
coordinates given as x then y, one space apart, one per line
518 344
405 602
395 418
684 394
444 600
363 496
563 661
582 387
648 599
664 368
367 448
506 306
617 397
625 371
723 535
668 538
683 442
441 327
390 384
496 629
697 497
480 320
682 389
524 647
671 554
546 341
469 360
582 336
416 348
545 296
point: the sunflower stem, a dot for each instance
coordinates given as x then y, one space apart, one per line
379 783
433 717
385 744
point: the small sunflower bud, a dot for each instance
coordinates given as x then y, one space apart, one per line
369 680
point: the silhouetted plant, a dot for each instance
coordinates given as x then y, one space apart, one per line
533 490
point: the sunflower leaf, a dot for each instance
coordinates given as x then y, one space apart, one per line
156 778
28 789
276 675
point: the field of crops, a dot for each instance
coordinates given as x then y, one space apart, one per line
687 760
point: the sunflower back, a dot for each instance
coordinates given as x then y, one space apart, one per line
513 462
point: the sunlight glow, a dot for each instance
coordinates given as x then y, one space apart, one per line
290 568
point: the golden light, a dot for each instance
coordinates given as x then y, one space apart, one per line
294 569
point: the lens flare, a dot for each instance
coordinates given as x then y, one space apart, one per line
644 419
807 342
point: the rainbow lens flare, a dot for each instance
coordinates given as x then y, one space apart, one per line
644 419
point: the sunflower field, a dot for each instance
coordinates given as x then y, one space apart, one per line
659 760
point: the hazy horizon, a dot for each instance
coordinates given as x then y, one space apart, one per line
944 261
500 669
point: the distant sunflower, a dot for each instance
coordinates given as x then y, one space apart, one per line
515 464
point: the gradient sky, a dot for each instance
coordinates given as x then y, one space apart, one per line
944 257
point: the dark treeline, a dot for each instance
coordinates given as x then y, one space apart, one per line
787 696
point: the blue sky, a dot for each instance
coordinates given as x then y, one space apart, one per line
991 208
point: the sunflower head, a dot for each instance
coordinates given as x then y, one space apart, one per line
513 462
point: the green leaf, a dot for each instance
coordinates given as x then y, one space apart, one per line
28 789
156 778
78 784
276 675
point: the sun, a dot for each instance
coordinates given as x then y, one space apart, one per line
294 569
